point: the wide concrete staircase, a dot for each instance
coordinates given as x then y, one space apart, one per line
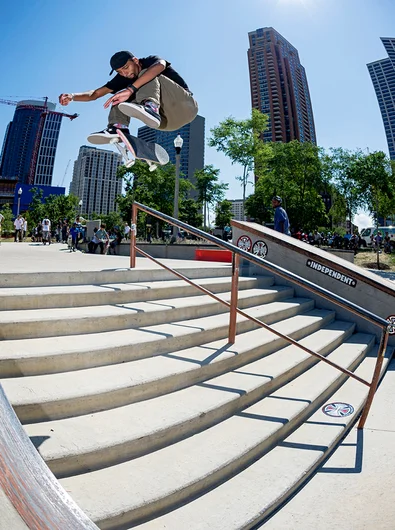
126 384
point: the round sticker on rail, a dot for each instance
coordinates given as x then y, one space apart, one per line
391 324
259 248
245 243
338 410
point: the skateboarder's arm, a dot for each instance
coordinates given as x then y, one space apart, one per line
90 95
150 74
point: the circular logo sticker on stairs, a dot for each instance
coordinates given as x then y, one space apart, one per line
338 410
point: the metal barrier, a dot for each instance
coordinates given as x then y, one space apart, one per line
234 310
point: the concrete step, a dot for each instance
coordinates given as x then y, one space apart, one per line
98 277
160 481
84 443
92 319
64 353
271 480
22 298
53 396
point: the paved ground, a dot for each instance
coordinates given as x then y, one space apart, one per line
355 488
35 257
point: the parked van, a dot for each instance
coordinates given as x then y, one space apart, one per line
367 234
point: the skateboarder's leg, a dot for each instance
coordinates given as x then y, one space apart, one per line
178 107
146 104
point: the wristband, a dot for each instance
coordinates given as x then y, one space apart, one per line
72 97
132 88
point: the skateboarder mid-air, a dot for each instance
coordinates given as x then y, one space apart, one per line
148 89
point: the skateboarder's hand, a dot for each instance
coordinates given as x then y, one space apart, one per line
119 97
64 99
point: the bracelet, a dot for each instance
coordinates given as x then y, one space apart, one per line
132 88
72 97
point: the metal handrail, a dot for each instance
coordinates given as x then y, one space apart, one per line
237 253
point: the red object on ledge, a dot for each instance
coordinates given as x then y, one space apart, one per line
213 254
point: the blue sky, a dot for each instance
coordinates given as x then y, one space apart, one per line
49 47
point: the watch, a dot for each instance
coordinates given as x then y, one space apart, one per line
132 88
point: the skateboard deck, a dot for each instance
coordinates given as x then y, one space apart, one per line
132 149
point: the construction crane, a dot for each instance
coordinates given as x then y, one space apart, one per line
37 143
65 173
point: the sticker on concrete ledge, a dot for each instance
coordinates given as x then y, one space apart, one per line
259 248
391 324
331 273
338 410
245 243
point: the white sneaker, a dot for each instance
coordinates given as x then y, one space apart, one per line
148 113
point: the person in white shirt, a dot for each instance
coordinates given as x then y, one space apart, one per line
24 230
126 231
46 224
18 223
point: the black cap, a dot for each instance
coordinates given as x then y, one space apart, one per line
119 59
277 198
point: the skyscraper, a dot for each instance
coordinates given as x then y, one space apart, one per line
192 152
29 148
383 77
279 87
95 179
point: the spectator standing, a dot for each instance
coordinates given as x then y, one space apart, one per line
18 224
126 231
281 222
46 230
24 230
73 233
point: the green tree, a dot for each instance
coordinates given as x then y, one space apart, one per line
7 226
258 207
111 220
295 173
210 190
342 165
190 213
223 214
151 188
61 207
241 141
36 207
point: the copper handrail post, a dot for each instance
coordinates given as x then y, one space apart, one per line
234 298
375 379
133 232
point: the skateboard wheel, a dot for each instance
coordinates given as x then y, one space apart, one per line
152 167
114 140
130 163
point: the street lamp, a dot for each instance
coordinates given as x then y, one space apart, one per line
80 205
178 141
19 200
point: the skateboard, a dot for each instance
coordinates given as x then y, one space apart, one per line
132 149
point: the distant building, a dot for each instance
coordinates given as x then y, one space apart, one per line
237 209
95 179
24 199
30 142
279 87
383 77
192 153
